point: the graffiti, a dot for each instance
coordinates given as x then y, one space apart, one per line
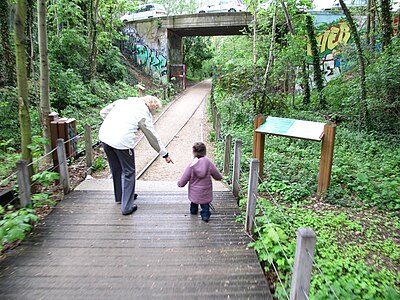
153 61
328 43
332 37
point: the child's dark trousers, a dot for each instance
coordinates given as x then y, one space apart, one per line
205 210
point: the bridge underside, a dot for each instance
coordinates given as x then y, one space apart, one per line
208 24
210 31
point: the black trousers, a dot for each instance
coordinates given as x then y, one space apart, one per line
122 166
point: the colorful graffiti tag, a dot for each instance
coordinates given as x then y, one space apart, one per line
329 42
153 61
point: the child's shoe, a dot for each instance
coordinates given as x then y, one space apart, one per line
194 208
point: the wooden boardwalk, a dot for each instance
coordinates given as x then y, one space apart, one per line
85 249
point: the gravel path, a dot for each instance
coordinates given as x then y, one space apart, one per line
180 148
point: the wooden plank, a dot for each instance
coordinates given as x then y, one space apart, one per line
85 249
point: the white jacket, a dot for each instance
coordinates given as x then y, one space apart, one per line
122 119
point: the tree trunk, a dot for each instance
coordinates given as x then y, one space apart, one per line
270 61
316 61
30 39
94 4
306 85
288 19
44 73
8 55
368 25
387 29
254 36
373 26
22 81
361 62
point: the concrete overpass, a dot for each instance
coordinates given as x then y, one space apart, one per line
156 44
208 24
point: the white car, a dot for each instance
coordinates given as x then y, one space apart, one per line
145 11
223 6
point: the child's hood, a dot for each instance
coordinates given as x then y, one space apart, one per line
200 166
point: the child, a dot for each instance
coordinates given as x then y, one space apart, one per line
198 173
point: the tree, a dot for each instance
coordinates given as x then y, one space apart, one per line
22 81
316 61
361 61
92 28
44 73
29 34
387 29
8 55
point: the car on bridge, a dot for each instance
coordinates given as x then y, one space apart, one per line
223 6
145 11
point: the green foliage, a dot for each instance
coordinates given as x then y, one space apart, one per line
196 51
46 179
9 114
70 49
100 163
110 67
15 224
68 88
356 246
342 251
37 145
365 171
383 84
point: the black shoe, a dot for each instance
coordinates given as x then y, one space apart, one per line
206 219
134 198
134 208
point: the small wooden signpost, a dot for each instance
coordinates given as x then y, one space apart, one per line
306 130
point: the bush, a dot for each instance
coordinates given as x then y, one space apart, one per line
70 49
110 67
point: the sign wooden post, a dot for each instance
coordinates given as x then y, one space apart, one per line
305 130
258 144
325 165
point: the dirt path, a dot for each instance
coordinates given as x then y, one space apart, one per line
180 149
197 129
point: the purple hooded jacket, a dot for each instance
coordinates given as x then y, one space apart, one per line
198 173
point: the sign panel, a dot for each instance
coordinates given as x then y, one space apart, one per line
293 128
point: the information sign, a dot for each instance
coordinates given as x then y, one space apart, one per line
293 128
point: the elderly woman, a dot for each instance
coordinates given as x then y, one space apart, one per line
122 119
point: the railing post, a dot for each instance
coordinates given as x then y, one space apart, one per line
88 146
23 183
305 246
63 166
213 113
227 154
325 165
251 199
218 127
236 168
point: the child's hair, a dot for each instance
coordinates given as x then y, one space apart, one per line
199 149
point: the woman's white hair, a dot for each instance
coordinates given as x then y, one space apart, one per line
152 102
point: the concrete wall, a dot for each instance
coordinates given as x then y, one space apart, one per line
147 45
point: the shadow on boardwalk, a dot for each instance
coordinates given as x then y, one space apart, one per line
86 249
